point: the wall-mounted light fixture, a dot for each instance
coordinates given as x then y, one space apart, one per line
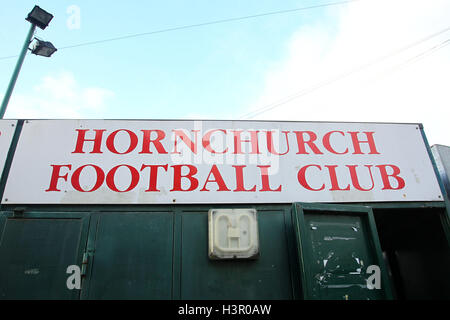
233 234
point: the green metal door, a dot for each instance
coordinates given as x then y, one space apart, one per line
268 277
337 244
35 251
130 256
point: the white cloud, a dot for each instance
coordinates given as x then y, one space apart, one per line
383 92
57 97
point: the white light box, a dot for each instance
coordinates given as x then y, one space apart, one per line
233 234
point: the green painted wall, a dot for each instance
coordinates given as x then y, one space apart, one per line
150 254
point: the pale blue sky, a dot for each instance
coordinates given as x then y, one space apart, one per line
223 71
213 70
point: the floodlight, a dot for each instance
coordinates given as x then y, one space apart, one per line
39 17
43 48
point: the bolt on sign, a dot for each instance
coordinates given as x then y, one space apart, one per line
7 129
161 162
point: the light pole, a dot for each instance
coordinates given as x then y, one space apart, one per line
40 18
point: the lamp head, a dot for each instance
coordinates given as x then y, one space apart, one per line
39 17
43 48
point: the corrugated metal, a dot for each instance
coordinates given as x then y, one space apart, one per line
441 155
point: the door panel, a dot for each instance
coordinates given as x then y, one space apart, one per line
268 277
35 253
132 257
337 244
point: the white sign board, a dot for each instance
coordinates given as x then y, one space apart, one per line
7 129
162 162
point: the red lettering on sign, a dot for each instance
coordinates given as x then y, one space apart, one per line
327 144
112 173
354 177
156 142
111 138
153 176
217 179
180 134
395 174
270 146
265 179
177 176
357 143
334 180
301 142
240 180
100 178
206 141
238 142
301 176
56 176
81 139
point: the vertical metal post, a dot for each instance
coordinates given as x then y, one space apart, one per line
17 70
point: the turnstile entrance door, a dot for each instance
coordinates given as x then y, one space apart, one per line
35 252
129 256
339 253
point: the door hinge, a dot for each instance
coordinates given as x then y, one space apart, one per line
18 212
84 264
